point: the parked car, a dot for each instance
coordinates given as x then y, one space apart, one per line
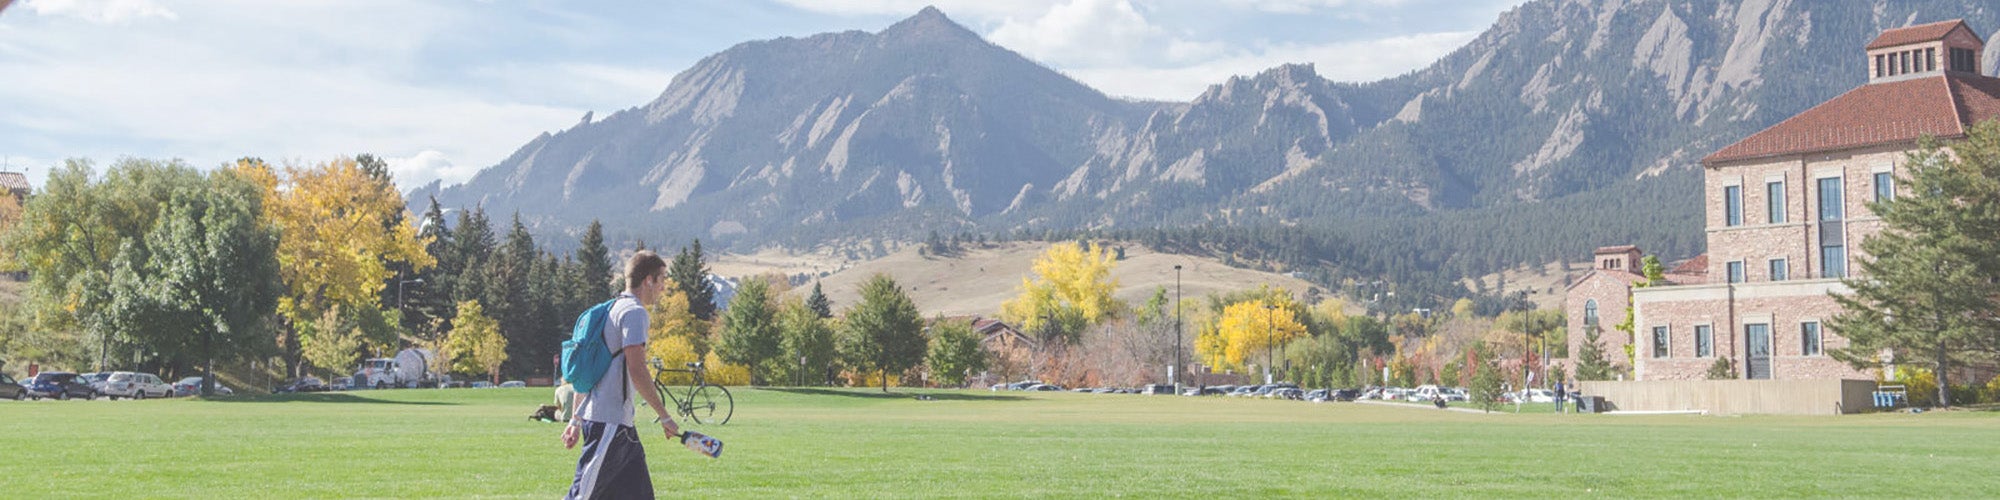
1292 393
1243 391
132 385
997 387
95 380
512 384
1158 389
191 386
11 389
1530 396
1456 394
1045 387
60 385
1023 385
1343 395
1315 395
304 384
481 384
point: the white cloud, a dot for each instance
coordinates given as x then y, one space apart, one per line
115 12
426 166
1361 61
972 9
1083 33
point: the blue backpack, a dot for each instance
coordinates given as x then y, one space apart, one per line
584 355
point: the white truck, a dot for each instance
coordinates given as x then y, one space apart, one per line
410 368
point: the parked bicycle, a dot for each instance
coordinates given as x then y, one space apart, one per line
702 402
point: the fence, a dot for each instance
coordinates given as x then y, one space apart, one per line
1734 397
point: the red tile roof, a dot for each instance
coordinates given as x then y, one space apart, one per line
1696 265
1916 34
1876 114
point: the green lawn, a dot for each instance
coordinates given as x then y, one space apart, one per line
862 444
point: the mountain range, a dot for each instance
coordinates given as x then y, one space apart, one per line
1566 125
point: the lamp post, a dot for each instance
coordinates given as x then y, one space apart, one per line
1173 376
1270 346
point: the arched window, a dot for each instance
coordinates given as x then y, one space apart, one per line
1590 313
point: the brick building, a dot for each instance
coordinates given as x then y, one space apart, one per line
1786 213
1597 301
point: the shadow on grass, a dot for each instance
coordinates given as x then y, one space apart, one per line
321 397
878 394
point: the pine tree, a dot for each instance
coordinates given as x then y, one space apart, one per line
883 332
1590 362
1926 290
819 303
750 334
690 275
596 262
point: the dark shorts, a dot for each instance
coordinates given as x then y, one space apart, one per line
613 464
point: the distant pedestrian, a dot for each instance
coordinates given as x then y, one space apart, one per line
1560 396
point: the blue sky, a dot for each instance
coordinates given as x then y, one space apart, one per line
445 88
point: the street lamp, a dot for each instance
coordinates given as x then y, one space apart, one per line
1173 376
1270 346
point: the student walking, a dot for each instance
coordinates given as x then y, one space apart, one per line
613 464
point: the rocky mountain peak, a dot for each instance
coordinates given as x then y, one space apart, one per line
930 25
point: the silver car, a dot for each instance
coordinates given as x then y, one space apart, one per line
136 386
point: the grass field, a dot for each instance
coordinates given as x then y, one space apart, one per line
858 443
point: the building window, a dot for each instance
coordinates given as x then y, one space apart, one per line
1809 338
1778 270
1878 65
1732 201
1930 59
1962 60
1905 61
1832 233
1885 187
1774 194
1735 271
1704 341
1590 313
1659 342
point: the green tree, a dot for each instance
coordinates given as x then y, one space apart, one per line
71 234
211 279
954 352
690 274
1487 380
750 335
883 332
596 261
1590 362
1722 369
809 338
1926 287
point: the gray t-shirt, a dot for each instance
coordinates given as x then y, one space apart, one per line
611 400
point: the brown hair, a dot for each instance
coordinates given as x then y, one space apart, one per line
644 264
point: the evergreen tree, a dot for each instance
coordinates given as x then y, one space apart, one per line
1487 380
1590 362
596 261
1926 290
819 303
690 275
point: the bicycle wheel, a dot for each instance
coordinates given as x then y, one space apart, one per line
711 404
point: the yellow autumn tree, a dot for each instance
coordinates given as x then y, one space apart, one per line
1071 290
339 226
476 341
676 338
1248 330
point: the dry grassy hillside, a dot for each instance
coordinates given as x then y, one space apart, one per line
980 279
1545 288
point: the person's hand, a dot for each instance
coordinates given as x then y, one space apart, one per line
673 429
570 433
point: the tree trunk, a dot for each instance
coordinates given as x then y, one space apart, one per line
1943 377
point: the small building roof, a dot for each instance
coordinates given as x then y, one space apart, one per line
1616 249
1943 106
1918 34
14 181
